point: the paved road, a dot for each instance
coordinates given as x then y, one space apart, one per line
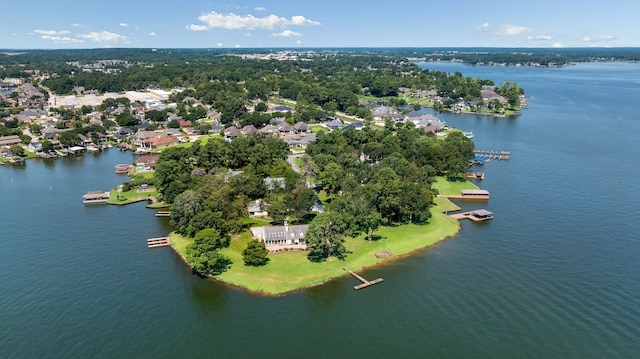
292 161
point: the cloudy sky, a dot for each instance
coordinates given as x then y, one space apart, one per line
45 24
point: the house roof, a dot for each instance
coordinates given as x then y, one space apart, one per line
280 232
10 140
148 160
335 123
232 131
301 126
161 140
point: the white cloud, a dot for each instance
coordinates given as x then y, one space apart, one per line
51 32
302 21
260 8
540 38
299 42
124 24
607 38
557 45
152 33
586 39
231 21
61 39
193 27
237 46
75 24
287 33
483 27
512 30
219 44
104 36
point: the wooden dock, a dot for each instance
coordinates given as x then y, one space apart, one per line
365 283
158 242
163 214
493 155
476 216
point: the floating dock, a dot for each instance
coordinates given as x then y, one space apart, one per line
158 242
492 155
365 283
471 194
163 214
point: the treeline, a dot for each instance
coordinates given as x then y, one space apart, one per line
321 83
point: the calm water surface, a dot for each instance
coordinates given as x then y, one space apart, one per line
556 274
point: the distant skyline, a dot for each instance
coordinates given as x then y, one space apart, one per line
75 24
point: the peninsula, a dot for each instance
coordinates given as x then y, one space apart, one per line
280 171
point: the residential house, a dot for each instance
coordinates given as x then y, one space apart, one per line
142 136
272 182
257 208
354 125
159 142
281 236
249 129
10 140
301 127
146 163
231 132
5 152
34 147
285 129
335 124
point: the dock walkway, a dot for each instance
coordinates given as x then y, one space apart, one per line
493 155
365 283
158 242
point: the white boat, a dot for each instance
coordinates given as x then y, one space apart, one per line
468 135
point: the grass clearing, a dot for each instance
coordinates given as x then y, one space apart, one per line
445 187
290 271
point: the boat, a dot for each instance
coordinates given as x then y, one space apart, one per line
475 175
95 197
468 134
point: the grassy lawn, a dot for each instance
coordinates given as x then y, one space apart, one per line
133 196
445 187
290 271
317 128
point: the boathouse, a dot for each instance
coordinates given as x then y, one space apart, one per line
482 214
475 194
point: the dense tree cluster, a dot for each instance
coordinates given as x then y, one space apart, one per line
378 177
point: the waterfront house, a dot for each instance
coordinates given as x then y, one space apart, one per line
146 163
278 238
160 142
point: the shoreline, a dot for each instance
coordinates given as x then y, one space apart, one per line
438 223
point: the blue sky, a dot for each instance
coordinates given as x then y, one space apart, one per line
329 23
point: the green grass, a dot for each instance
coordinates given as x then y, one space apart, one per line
445 187
131 196
290 271
317 128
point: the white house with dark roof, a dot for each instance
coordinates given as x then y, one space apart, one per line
281 236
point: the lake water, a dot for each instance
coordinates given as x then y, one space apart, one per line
555 274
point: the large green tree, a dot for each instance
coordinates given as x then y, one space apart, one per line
325 237
255 254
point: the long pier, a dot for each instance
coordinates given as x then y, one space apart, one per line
365 283
158 242
493 155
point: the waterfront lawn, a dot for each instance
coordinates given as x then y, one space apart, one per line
132 196
290 271
446 188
